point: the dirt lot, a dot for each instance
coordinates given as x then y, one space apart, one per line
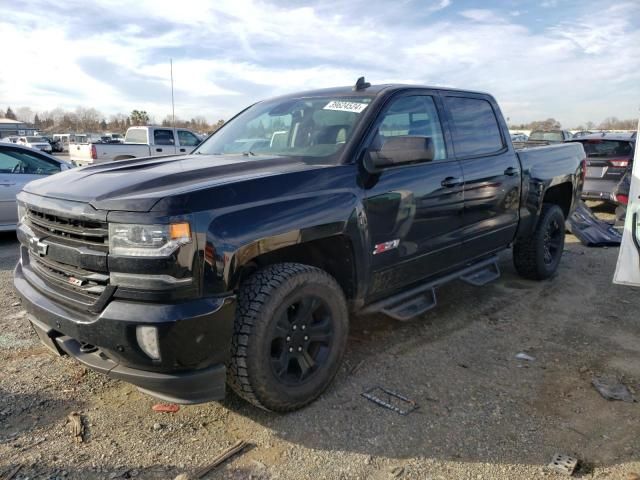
482 413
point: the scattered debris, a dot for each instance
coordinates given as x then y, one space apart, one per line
166 408
591 231
182 476
633 476
612 390
77 427
356 367
391 400
37 442
524 356
15 304
223 457
12 473
157 426
397 471
561 463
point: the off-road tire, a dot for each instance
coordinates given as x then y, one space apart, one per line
529 253
262 296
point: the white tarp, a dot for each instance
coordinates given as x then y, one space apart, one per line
628 267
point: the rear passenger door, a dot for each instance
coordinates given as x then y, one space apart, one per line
164 142
491 170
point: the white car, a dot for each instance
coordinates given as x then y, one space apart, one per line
628 268
35 142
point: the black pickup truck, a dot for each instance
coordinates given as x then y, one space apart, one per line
240 262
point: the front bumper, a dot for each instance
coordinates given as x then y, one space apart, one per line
194 339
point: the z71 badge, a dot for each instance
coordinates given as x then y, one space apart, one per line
386 246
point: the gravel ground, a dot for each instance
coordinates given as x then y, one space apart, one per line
482 413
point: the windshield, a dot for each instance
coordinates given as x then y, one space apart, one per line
607 148
547 136
36 140
316 127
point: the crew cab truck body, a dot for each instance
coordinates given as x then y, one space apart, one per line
181 273
138 142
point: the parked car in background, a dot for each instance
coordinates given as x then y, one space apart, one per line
582 133
608 157
224 264
38 143
56 146
18 166
519 137
10 139
547 137
139 142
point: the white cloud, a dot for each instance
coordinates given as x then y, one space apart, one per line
228 54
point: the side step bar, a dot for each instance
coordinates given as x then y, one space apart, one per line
406 305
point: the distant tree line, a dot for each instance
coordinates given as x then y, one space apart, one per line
609 123
90 120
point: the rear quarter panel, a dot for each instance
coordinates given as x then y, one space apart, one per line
543 168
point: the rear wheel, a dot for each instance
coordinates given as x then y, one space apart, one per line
289 338
538 256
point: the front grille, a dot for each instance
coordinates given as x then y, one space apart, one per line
72 244
81 285
70 231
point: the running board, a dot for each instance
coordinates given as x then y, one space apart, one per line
418 300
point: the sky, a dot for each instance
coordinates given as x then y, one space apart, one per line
572 60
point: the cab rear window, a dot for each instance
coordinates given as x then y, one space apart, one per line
607 148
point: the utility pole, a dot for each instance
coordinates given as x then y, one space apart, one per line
173 106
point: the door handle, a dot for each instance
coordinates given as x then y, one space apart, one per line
7 184
511 171
183 150
158 149
451 182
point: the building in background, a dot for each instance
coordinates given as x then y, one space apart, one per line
10 127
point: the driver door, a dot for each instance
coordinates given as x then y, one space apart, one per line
414 212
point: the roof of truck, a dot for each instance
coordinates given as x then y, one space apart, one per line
370 91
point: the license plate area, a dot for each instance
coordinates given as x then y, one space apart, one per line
43 335
596 172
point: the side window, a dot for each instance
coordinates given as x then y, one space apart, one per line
26 163
163 137
8 164
414 115
187 139
475 126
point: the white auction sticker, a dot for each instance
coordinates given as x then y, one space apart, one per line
343 106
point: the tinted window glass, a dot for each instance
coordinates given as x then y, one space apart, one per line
163 137
553 136
26 163
476 130
414 116
606 148
136 136
187 139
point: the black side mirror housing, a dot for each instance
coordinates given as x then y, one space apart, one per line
400 150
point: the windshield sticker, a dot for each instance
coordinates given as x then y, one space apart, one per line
343 106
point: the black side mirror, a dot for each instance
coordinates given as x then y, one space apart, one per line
400 151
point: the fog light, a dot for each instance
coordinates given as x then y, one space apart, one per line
148 340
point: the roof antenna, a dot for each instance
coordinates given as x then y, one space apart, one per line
361 85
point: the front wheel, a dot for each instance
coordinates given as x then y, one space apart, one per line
289 337
538 256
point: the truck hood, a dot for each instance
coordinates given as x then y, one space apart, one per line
137 185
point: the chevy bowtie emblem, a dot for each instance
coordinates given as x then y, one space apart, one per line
38 247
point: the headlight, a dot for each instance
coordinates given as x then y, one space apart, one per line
22 212
147 240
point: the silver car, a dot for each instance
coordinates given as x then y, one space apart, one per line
18 166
